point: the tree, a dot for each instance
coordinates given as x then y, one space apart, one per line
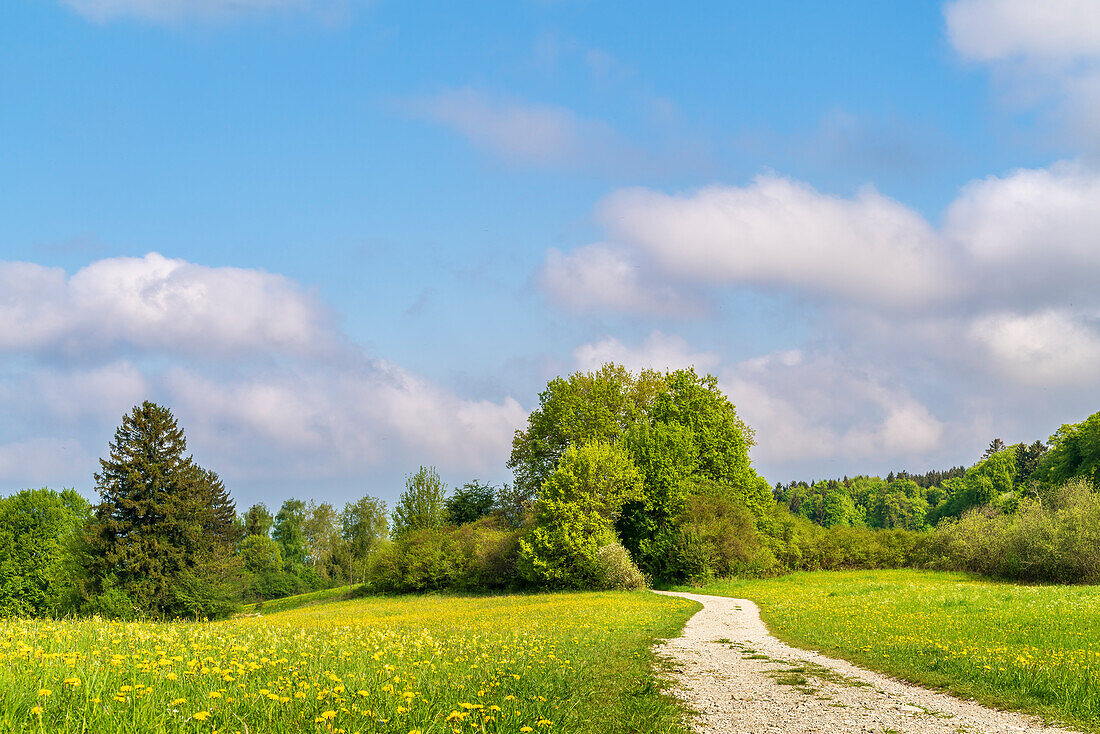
323 543
258 520
469 503
420 506
163 535
363 526
586 407
38 561
289 533
576 513
995 446
1074 452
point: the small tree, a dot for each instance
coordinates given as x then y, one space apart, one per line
575 515
363 526
470 503
421 505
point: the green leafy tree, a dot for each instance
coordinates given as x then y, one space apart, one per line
420 506
586 407
576 513
1074 452
324 551
38 560
289 533
470 502
364 526
163 536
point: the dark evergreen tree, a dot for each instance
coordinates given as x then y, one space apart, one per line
258 520
163 535
995 446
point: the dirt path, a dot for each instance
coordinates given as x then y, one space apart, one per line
741 679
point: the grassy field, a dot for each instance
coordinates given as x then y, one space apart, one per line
545 663
324 596
1035 648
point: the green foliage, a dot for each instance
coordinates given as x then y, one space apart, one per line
364 525
289 532
991 479
164 532
258 520
420 506
477 556
1074 452
1053 541
39 530
716 537
575 515
616 570
470 503
592 407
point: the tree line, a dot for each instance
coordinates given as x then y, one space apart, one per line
620 480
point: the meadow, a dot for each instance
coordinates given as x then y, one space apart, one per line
1033 648
571 662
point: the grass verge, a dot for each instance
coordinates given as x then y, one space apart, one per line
1030 648
545 663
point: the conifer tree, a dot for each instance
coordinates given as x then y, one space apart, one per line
163 535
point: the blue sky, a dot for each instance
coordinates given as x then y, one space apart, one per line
342 239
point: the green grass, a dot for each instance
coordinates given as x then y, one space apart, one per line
543 663
1032 648
297 601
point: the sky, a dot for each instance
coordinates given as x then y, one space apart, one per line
341 239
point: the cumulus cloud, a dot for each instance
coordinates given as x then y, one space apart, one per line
779 232
1048 54
326 422
523 134
991 30
1050 348
657 351
814 408
251 363
102 11
602 277
159 304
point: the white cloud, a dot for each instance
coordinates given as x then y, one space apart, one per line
779 233
1050 349
816 408
160 304
103 11
526 134
1047 55
992 30
1031 234
321 421
252 365
658 351
601 277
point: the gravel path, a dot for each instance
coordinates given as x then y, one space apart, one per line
740 679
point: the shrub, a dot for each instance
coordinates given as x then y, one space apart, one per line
615 569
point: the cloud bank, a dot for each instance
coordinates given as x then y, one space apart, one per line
252 363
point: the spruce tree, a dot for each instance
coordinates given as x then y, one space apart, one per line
162 539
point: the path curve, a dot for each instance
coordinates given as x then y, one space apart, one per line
740 679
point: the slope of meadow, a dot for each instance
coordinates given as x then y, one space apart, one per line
1033 648
555 662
